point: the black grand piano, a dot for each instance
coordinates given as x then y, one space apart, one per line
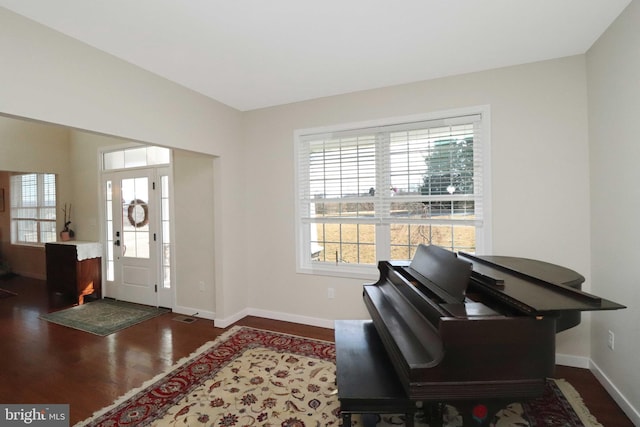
450 327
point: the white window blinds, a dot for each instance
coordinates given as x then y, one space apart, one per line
376 192
33 208
391 167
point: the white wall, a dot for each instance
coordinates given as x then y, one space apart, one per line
53 78
540 179
613 67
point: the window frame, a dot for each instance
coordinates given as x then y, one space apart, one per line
304 263
17 204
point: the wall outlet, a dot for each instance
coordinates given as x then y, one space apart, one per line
201 286
611 340
331 293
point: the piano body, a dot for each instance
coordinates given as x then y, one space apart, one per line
466 327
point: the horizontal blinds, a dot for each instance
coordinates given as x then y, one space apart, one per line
33 197
408 172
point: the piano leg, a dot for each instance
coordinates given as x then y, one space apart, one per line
409 420
433 414
370 420
346 419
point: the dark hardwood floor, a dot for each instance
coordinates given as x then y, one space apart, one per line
48 363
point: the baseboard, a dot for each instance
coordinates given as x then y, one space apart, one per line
194 312
273 315
230 320
625 405
294 318
573 361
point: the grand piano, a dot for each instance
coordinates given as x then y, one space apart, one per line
457 327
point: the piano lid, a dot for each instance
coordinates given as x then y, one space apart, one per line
534 286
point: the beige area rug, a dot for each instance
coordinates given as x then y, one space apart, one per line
252 377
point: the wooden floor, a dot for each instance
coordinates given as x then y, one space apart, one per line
48 363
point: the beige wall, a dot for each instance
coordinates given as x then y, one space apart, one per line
540 184
194 236
613 66
53 78
540 162
31 147
74 155
57 79
83 157
193 219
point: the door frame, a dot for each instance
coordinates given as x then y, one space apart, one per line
165 297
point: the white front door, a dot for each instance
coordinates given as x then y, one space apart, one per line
131 213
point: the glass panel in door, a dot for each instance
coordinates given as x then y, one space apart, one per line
135 217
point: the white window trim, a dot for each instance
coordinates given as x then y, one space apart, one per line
13 226
483 234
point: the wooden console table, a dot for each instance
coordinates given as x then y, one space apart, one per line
74 270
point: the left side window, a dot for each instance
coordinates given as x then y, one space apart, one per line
33 208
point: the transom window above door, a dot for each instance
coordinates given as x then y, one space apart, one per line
135 157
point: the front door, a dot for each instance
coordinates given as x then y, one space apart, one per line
131 215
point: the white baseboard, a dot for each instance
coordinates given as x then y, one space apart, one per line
573 361
190 311
230 320
622 401
273 315
294 318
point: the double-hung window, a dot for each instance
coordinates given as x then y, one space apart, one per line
33 208
375 191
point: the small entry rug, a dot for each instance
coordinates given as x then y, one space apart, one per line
253 377
103 317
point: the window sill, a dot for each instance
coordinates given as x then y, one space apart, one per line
345 271
29 245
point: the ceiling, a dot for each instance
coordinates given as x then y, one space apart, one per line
252 54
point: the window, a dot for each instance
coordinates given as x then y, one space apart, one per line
374 192
33 208
135 157
165 235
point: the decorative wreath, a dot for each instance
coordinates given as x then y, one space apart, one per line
131 209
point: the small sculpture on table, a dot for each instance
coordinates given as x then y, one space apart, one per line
67 233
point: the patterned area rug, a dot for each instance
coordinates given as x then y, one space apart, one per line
253 377
560 406
103 317
245 377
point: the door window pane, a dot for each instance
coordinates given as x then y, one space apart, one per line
135 217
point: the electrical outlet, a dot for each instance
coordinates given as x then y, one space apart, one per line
331 293
201 286
610 340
